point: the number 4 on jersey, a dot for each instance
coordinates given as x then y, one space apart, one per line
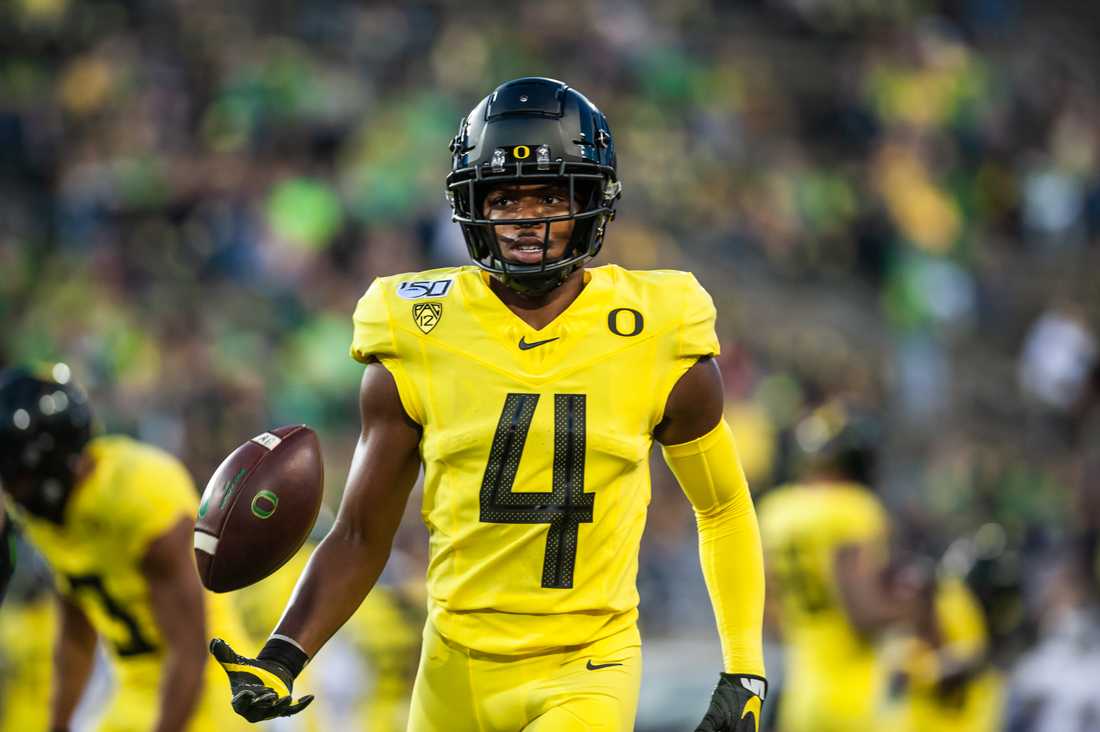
566 507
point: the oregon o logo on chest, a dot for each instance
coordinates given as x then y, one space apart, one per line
625 322
521 152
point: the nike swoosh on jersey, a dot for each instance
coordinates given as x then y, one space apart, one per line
597 666
525 346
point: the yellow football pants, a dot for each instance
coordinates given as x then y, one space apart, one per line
591 688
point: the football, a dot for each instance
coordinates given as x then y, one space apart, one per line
259 507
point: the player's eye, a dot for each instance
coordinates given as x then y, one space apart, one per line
500 201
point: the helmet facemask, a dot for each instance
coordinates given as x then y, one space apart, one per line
530 131
590 195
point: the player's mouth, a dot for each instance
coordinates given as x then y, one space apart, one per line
523 249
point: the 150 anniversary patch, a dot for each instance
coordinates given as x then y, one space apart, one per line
416 289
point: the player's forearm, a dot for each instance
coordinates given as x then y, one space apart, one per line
181 688
345 566
342 570
730 553
180 614
72 662
733 567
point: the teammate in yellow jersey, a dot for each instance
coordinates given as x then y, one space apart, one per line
113 518
826 543
530 390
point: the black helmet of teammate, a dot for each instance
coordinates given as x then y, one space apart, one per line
45 424
534 130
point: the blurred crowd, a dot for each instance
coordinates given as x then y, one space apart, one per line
894 204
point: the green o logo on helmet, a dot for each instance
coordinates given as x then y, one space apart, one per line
264 504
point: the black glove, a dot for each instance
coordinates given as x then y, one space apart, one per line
735 704
261 688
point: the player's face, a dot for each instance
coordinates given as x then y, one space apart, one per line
523 243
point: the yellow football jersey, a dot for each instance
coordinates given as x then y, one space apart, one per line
134 494
832 681
535 442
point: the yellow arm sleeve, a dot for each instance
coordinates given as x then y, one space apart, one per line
710 474
373 338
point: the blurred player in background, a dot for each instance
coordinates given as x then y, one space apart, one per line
386 631
113 518
531 390
939 671
826 542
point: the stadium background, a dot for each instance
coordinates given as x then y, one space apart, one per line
893 203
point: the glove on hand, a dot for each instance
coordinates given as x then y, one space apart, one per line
261 689
735 704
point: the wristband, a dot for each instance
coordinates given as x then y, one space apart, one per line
286 653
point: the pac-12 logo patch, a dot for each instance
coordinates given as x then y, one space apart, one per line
414 290
427 314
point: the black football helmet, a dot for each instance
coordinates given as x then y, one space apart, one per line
45 424
534 130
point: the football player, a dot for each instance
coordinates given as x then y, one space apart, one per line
113 518
826 541
940 675
530 389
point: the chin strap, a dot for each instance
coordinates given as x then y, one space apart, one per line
539 284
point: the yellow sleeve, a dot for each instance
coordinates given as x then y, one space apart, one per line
373 335
696 337
152 497
710 474
693 339
373 338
